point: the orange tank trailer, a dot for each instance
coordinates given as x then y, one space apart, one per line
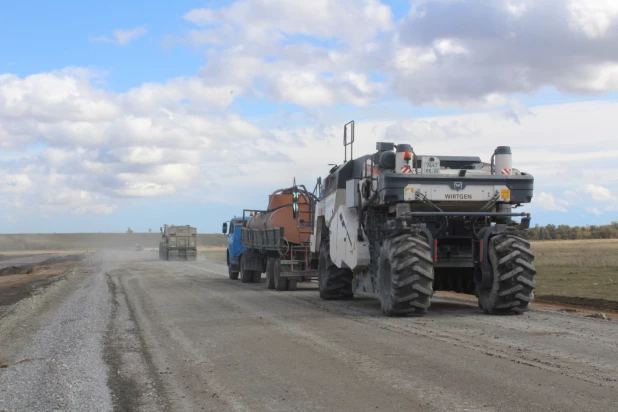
279 214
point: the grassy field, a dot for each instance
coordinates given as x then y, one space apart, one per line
577 268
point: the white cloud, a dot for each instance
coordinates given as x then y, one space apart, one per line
463 51
90 163
265 21
599 193
594 211
121 36
470 53
547 201
593 17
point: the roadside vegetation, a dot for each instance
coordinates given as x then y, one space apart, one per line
566 232
577 268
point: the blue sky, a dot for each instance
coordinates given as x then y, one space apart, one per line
116 114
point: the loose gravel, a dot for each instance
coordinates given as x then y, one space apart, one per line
65 370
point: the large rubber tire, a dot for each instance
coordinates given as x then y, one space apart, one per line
405 275
281 282
257 276
270 274
246 276
335 283
233 275
513 276
292 283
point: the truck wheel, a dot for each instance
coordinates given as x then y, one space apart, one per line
246 276
233 275
257 276
292 284
513 284
281 282
270 276
335 283
405 275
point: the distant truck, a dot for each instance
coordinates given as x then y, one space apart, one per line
139 247
178 243
275 241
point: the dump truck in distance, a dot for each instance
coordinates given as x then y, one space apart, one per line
178 243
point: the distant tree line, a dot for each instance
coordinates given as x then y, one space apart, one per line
566 232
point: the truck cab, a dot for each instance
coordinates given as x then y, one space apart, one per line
235 247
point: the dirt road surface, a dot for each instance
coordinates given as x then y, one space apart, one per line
140 334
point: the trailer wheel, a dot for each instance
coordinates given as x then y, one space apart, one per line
281 282
246 276
405 275
513 285
270 276
335 283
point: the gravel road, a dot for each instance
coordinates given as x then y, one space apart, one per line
140 334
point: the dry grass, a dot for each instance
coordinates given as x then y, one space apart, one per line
577 268
214 253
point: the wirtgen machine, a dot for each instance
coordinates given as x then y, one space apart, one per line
396 226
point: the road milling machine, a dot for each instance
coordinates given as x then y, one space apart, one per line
398 226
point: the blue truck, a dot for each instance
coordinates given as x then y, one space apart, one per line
235 247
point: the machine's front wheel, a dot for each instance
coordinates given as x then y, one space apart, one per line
513 285
335 283
405 275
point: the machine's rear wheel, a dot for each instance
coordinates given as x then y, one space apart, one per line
246 276
335 283
513 285
281 282
270 275
405 275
